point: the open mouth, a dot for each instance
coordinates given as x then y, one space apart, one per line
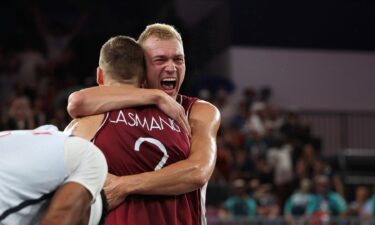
168 83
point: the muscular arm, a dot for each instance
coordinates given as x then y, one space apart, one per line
101 99
85 127
69 206
186 175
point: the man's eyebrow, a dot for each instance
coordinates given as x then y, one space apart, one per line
162 56
159 56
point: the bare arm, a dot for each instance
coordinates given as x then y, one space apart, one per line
181 177
69 206
100 99
85 127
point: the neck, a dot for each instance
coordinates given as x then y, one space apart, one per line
127 83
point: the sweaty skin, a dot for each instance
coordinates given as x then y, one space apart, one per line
165 61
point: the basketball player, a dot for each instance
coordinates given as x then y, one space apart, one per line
139 140
165 63
47 177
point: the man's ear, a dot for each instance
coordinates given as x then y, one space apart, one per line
99 76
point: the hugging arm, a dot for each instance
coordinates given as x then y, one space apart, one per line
180 177
101 99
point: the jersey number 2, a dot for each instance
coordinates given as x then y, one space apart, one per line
158 144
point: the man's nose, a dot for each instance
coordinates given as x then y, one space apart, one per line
171 67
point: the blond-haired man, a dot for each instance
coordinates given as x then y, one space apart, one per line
165 62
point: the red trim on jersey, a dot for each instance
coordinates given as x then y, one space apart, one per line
5 133
187 102
40 132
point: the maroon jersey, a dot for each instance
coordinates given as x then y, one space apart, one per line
144 139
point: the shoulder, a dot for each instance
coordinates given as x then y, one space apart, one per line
205 110
86 127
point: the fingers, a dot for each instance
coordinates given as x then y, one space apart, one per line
110 195
183 120
109 179
177 112
185 124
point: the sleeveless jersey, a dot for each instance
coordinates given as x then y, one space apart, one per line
143 139
26 156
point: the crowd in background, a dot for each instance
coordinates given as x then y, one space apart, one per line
269 163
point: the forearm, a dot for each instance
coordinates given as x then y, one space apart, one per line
189 174
178 178
69 206
100 99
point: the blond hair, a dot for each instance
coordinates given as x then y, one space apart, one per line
161 31
122 59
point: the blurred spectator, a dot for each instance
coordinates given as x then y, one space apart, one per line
273 121
264 174
369 207
57 36
20 115
256 145
60 118
357 207
40 115
300 173
299 203
224 161
321 167
309 156
249 97
256 121
242 166
327 203
240 204
31 62
294 130
265 93
280 159
239 118
291 126
267 204
9 77
226 107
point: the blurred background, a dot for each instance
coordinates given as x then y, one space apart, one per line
294 81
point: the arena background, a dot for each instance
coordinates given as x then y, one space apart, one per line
260 62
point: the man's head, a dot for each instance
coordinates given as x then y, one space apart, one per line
165 57
321 184
121 61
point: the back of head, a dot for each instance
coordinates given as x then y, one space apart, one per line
161 31
122 59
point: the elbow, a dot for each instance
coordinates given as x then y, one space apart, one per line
201 177
200 182
75 100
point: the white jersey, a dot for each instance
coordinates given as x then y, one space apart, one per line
34 163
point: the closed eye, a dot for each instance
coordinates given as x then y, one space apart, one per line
179 60
159 60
